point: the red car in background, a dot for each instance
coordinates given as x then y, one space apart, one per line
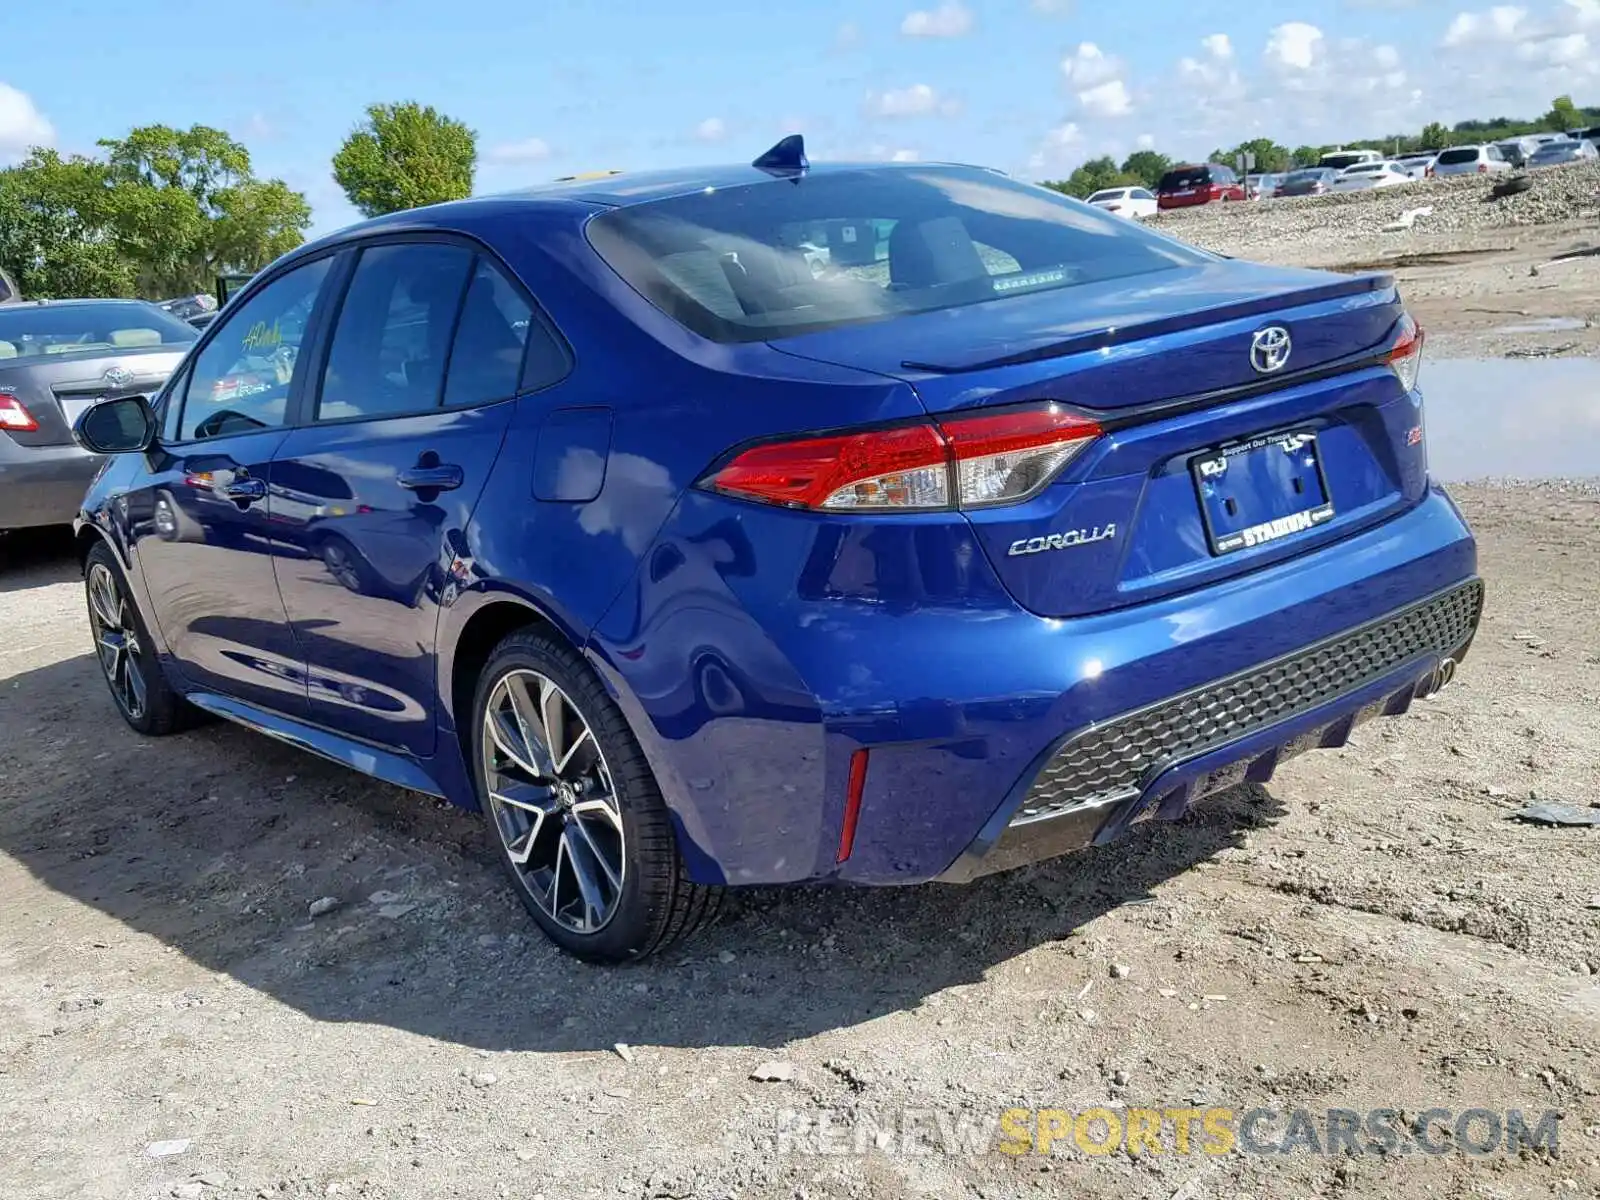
1183 187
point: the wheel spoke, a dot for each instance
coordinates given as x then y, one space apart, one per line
105 606
579 858
509 742
525 714
553 894
599 808
552 715
612 874
134 680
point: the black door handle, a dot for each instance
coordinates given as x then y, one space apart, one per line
444 477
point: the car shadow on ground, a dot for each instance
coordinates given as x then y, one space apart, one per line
215 842
31 558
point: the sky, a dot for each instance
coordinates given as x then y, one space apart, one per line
556 87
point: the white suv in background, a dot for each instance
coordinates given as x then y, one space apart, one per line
1469 160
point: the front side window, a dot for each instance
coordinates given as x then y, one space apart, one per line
777 259
391 343
241 380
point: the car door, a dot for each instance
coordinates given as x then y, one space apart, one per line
402 429
203 510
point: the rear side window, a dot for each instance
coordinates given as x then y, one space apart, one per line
1464 154
390 346
780 258
486 360
1184 177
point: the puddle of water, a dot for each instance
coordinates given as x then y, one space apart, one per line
1545 325
1519 419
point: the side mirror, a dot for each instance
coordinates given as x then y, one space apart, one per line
119 426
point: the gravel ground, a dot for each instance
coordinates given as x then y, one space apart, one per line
1370 931
1487 277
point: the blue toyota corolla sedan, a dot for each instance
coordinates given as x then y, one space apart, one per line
772 523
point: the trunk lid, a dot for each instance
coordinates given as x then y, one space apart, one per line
55 389
1328 444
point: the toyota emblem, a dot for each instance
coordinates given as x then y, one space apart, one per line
118 376
1269 350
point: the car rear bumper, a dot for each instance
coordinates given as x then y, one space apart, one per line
42 485
961 700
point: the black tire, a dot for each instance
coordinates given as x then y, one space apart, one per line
161 710
1512 187
657 904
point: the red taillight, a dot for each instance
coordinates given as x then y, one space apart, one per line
14 416
1483 168
1405 356
958 462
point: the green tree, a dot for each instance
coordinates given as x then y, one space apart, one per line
53 239
406 155
184 205
1563 115
1147 166
1434 137
1271 158
1306 156
1093 175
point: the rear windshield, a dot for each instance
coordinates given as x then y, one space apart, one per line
1184 177
28 331
771 260
1307 176
1463 155
1339 161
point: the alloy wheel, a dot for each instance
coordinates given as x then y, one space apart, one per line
553 800
117 641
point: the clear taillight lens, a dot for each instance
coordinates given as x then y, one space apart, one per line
959 462
1405 357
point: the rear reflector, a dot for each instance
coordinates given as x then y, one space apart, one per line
958 462
852 804
1405 357
14 416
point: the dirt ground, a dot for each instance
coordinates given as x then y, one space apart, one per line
1373 930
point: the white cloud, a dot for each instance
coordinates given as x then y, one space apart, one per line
951 19
1096 78
918 100
1056 148
1218 45
1089 65
1109 99
1494 27
1294 45
712 129
529 150
22 126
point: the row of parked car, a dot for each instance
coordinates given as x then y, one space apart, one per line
1348 171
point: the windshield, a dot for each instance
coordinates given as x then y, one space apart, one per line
1109 194
1340 161
1308 176
771 260
1465 154
53 329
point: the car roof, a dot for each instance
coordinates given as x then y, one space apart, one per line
68 302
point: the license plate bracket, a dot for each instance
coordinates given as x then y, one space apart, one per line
1261 490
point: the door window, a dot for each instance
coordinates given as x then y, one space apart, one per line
392 341
241 380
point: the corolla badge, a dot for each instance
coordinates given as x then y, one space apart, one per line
1061 541
118 376
1269 349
